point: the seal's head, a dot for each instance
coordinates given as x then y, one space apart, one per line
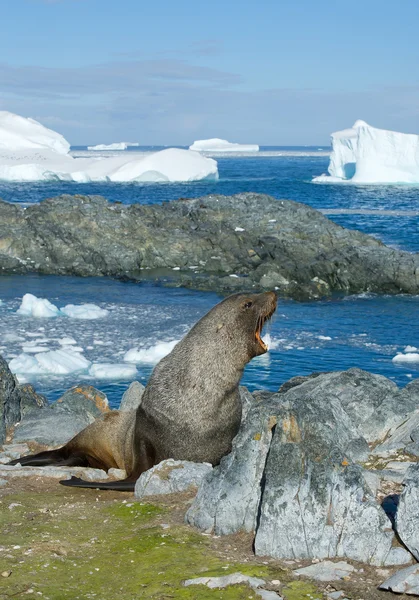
233 327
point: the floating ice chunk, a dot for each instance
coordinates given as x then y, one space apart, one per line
150 355
271 342
409 349
411 357
84 311
324 337
172 164
32 306
114 146
67 341
12 337
365 154
19 133
112 371
58 362
219 145
34 349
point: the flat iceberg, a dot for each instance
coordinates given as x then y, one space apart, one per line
112 371
31 152
218 145
84 311
366 155
114 146
19 133
57 362
150 355
32 306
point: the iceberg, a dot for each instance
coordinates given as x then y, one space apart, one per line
114 146
366 155
32 306
57 362
31 152
19 133
218 145
112 371
84 311
150 355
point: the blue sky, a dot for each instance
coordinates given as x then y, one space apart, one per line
172 71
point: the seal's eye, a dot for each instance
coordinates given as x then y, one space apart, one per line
248 305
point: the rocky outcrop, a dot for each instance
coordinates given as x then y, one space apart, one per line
16 400
243 242
407 518
293 478
171 476
132 397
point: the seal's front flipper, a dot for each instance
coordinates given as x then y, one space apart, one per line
58 458
125 485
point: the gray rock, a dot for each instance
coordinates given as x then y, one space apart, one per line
30 400
226 580
56 424
132 397
268 595
302 253
3 482
407 517
229 497
326 570
403 582
290 477
171 476
9 400
89 474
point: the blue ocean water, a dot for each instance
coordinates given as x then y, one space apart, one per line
365 331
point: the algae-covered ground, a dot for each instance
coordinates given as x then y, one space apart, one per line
59 543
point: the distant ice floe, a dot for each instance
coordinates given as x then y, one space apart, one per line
37 307
31 152
57 362
112 371
150 355
219 145
411 355
114 146
42 308
84 311
366 155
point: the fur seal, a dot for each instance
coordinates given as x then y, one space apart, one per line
190 409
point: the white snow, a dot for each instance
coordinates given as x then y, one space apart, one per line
219 145
59 362
410 349
31 152
150 355
67 341
112 371
238 229
114 146
366 155
19 133
37 307
84 311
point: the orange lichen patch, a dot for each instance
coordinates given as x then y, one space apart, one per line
272 422
345 462
91 393
291 429
257 436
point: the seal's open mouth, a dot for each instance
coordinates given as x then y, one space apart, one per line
259 326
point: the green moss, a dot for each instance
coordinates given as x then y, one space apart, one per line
301 590
74 547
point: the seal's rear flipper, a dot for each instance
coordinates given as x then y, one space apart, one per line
125 485
58 458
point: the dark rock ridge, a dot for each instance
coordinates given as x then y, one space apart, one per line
247 241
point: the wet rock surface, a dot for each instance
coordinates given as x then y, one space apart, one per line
242 242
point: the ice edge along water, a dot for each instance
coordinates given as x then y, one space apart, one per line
366 155
31 152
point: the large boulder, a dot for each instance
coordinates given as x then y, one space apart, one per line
57 423
292 475
407 516
171 476
132 397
